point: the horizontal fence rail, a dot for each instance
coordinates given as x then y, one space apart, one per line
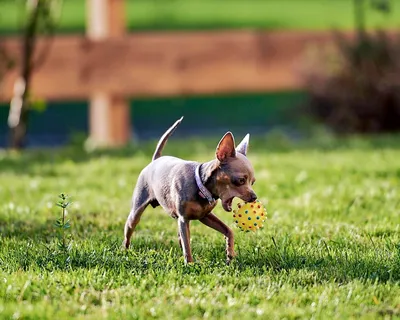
166 64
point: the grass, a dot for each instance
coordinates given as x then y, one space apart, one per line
330 249
217 14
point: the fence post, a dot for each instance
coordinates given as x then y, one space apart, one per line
109 114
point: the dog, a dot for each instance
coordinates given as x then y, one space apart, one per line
189 190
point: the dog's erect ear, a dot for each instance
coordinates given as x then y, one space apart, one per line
243 145
226 147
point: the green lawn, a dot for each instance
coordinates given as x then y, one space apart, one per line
330 249
214 14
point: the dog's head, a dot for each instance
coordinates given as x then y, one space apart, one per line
235 175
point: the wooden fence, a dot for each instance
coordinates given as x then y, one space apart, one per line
166 64
109 66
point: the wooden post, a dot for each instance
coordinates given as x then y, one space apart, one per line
109 114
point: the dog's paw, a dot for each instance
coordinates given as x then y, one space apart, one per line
230 256
125 246
189 260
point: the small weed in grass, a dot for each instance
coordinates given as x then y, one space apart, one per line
64 243
62 225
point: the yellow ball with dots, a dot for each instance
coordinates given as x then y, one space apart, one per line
250 216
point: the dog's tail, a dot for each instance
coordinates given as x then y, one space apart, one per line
164 138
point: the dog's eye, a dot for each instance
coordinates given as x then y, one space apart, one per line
239 181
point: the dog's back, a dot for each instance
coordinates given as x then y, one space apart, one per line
166 177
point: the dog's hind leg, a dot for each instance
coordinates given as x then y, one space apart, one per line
141 199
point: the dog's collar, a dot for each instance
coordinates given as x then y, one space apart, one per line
204 193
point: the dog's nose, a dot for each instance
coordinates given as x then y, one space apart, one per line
253 197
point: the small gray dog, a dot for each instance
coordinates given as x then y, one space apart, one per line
189 190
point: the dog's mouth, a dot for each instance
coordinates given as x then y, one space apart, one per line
227 204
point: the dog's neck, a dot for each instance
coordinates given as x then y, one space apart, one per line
208 174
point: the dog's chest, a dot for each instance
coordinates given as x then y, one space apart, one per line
195 210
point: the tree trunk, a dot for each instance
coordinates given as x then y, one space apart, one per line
19 106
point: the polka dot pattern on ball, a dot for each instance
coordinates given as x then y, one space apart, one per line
248 212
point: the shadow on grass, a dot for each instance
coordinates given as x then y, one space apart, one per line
24 230
148 256
84 226
26 245
340 269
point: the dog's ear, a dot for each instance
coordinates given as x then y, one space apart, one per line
226 147
243 145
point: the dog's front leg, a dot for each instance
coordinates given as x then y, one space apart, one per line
184 232
212 221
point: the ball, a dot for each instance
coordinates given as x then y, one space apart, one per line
250 216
